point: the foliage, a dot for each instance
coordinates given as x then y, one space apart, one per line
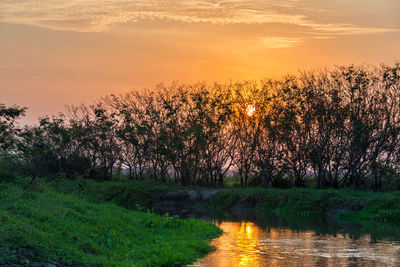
8 131
308 201
338 128
127 194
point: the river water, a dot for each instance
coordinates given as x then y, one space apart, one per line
292 240
302 242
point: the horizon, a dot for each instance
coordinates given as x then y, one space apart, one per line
58 53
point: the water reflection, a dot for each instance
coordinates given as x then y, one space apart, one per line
246 244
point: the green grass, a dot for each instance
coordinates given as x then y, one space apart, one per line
43 224
360 205
84 223
127 194
377 207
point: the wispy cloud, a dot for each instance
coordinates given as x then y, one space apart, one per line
279 42
345 29
100 15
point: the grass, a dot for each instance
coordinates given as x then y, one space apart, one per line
84 223
127 194
44 224
352 205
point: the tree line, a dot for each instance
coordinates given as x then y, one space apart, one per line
328 129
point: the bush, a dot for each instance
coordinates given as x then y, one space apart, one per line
7 176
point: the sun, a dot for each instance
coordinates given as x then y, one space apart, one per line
250 110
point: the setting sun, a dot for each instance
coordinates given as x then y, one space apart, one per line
250 110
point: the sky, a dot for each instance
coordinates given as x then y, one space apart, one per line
55 52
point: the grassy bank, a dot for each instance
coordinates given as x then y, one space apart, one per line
85 223
345 204
127 194
44 225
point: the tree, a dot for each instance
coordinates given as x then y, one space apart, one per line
8 130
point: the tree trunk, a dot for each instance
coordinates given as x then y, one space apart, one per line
220 179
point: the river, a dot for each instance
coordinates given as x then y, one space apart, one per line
301 241
247 244
251 239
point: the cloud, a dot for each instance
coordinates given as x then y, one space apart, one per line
100 15
345 29
279 42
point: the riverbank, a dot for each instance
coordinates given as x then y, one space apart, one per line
342 204
348 205
88 223
42 225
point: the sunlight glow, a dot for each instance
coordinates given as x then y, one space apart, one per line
250 110
248 229
179 41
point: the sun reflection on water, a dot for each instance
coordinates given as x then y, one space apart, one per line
246 244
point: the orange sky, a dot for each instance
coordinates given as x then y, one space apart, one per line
58 52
